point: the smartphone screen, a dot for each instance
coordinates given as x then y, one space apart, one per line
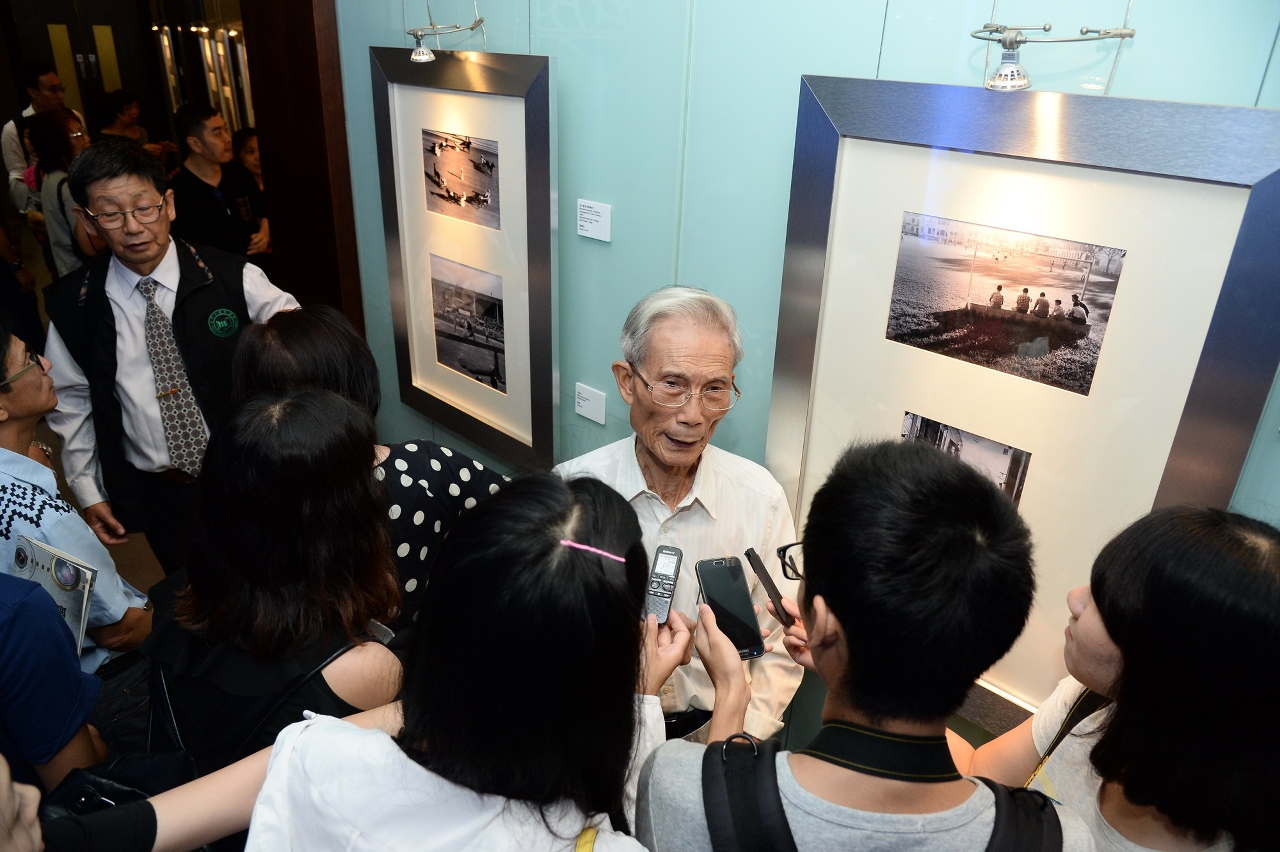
725 590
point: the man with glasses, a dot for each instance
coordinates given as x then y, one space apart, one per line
47 94
680 346
141 345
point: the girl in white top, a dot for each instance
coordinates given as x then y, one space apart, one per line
520 726
1180 625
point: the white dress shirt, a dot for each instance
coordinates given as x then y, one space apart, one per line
144 444
15 162
734 504
333 787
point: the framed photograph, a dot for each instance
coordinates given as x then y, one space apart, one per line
1004 465
958 291
466 161
1089 282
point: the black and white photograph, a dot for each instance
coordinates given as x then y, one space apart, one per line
1004 465
1026 304
462 177
467 303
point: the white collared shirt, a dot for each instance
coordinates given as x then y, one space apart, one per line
144 444
734 504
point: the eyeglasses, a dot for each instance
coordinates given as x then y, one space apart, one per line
33 362
114 219
792 558
674 393
54 90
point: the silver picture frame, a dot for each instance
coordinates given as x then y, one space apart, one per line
523 77
1235 146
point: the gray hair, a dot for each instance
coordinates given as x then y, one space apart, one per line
692 303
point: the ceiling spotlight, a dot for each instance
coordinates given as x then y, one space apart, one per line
155 28
204 29
421 54
233 33
1009 76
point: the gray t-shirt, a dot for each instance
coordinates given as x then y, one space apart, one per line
1068 776
669 814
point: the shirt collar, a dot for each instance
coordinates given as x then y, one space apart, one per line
167 274
631 479
29 471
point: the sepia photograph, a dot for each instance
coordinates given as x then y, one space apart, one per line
1026 304
462 177
467 304
1004 465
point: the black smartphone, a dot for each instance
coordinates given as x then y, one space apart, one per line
770 587
724 588
662 581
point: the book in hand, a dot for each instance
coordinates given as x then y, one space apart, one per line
68 580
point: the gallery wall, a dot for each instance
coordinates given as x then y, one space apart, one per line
681 114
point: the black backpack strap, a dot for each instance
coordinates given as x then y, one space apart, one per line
741 798
1026 821
1085 705
284 699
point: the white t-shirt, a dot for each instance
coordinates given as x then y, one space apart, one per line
334 787
1068 777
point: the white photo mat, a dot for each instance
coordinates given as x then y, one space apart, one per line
501 252
1098 458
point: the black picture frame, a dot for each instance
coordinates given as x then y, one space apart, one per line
527 78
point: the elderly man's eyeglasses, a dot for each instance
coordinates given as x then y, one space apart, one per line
792 558
673 393
114 219
33 361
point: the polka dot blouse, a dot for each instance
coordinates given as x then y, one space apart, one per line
428 486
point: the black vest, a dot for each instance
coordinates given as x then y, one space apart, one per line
209 313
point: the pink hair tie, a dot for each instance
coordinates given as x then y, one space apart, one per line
591 549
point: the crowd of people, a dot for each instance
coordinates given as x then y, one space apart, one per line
366 645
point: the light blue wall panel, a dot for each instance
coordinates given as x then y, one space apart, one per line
1269 91
1187 50
681 114
621 69
382 22
743 91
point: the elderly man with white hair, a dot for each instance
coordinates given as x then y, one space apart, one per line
680 346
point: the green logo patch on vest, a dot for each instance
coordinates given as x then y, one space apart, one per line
223 322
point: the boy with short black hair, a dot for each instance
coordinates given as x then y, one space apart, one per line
917 577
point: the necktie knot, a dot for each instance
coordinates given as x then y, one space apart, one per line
148 287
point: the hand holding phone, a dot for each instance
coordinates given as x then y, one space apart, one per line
724 588
770 587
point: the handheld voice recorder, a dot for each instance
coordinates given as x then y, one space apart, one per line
662 581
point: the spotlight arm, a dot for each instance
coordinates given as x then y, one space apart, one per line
1011 38
419 33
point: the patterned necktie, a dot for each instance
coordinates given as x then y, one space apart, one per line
179 413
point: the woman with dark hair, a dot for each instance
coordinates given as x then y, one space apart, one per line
244 148
526 714
1180 629
427 485
287 565
57 138
536 598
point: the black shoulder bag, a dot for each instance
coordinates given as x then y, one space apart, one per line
744 806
